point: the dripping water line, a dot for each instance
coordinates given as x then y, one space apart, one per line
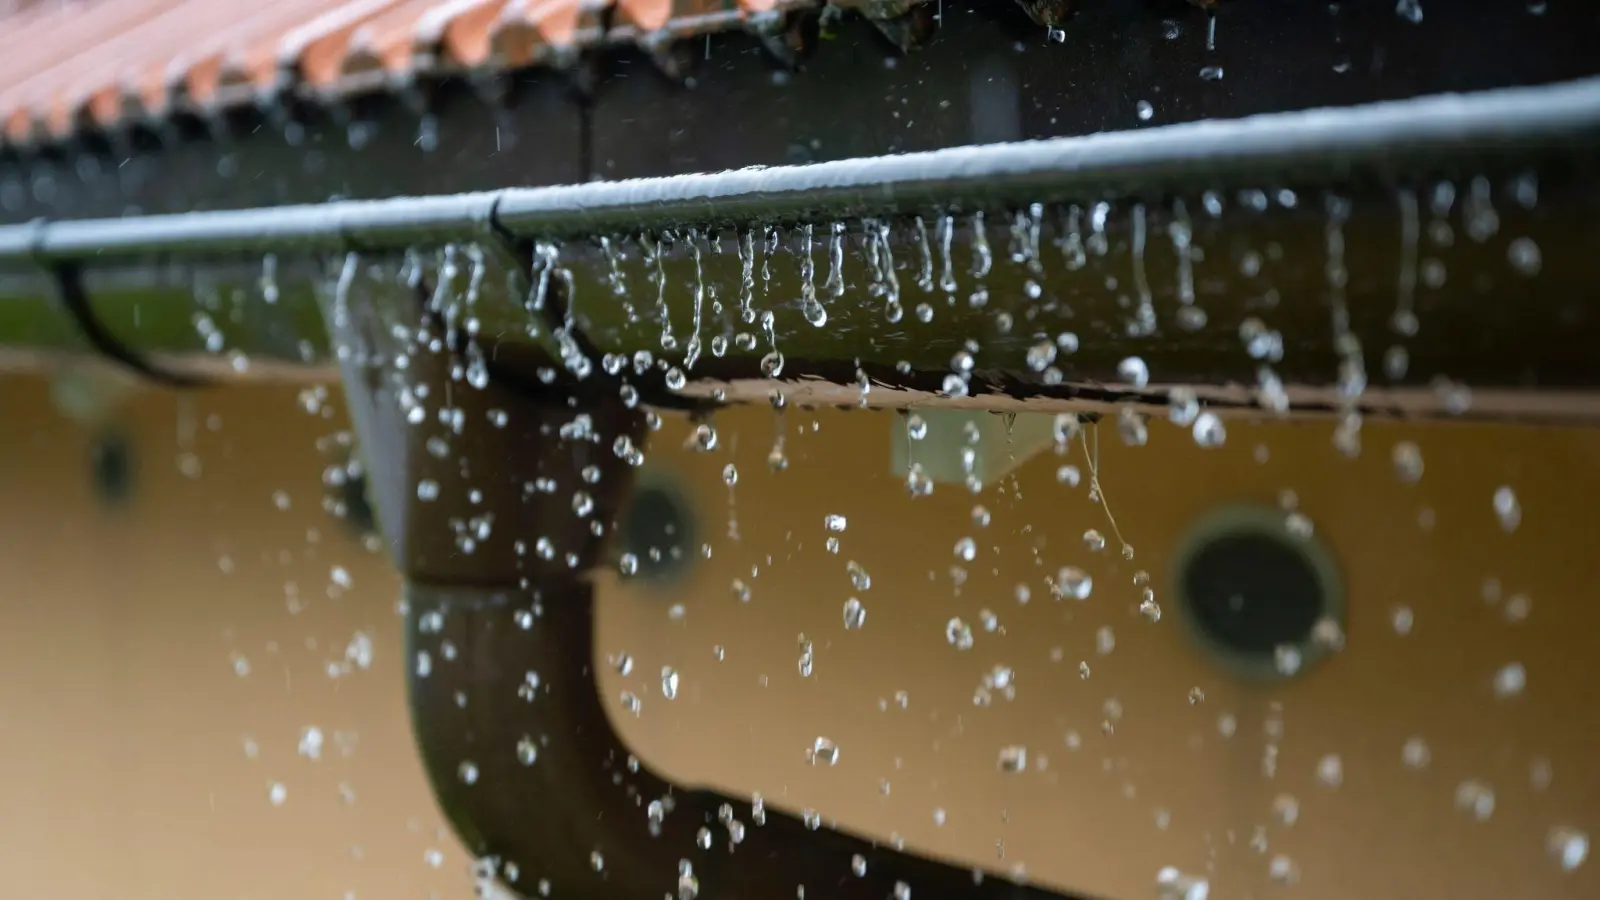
1388 140
1324 143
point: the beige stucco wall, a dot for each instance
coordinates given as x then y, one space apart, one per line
123 764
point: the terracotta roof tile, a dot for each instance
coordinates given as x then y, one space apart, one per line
104 62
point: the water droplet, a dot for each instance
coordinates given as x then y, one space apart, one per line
1183 406
1569 846
467 772
1134 371
855 615
1510 680
1173 884
1146 111
1041 355
1283 870
1402 619
916 427
1094 540
966 549
1507 509
427 490
959 634
859 577
1476 799
1209 431
1330 770
1407 459
1073 582
1287 659
311 742
730 475
858 865
1286 808
669 682
1415 754
823 752
705 438
1132 427
835 523
1210 73
1410 10
1013 759
527 751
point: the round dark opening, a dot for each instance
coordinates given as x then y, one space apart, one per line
658 530
1251 592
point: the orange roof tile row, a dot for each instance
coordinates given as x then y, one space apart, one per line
105 61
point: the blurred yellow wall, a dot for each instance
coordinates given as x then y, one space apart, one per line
163 659
136 761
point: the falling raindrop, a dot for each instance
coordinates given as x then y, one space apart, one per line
669 682
1415 754
916 427
958 634
1510 680
1174 884
1183 406
1132 427
1402 619
1209 431
1073 582
1507 508
1134 371
823 752
1569 846
855 614
1013 759
1524 256
1330 770
1407 459
1287 659
1476 799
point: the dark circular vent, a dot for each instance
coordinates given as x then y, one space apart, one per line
658 530
1249 588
